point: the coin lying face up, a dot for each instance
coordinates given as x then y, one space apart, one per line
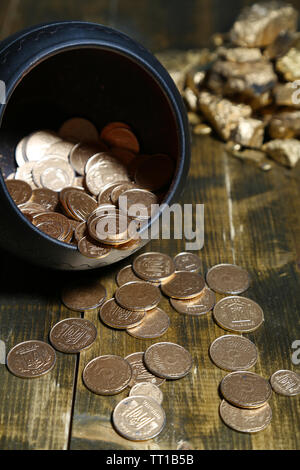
245 389
72 335
233 352
118 317
147 389
155 324
183 285
107 375
238 314
228 279
153 266
139 371
199 305
138 296
168 360
187 262
242 420
31 359
286 382
83 295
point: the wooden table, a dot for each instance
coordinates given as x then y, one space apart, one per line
251 218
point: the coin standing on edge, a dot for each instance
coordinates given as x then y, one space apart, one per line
187 262
118 317
139 371
233 352
154 324
286 382
243 420
138 295
73 335
228 279
31 359
197 306
83 295
183 285
245 389
138 418
107 375
238 314
147 389
168 360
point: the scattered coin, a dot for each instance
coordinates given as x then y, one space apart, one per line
107 375
243 420
286 382
183 285
168 360
153 266
154 325
139 371
20 191
31 359
83 295
233 352
187 262
139 418
228 279
138 295
126 275
199 305
147 389
245 389
238 314
79 130
73 335
117 317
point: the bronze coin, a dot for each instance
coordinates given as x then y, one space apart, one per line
228 279
91 249
80 204
31 359
243 420
107 375
81 153
45 197
147 389
83 295
73 335
233 352
103 209
238 314
199 305
139 418
62 149
138 295
110 229
184 285
120 189
63 198
112 125
80 231
126 275
121 137
245 389
38 142
79 130
168 360
153 266
187 262
155 172
101 170
19 190
286 382
53 224
53 173
29 209
104 195
117 317
139 371
138 203
154 325
124 156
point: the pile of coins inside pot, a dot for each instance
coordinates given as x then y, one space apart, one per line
89 189
140 416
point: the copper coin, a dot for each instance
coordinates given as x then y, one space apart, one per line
199 305
238 314
80 231
107 375
139 418
80 204
228 279
101 210
187 262
99 175
184 285
112 125
243 420
83 295
286 382
31 359
81 153
53 173
53 224
73 335
112 228
233 352
63 198
138 203
138 295
139 371
91 249
46 198
126 275
123 138
123 155
24 173
29 209
117 317
20 191
245 389
62 149
38 142
105 192
154 325
168 360
147 389
155 172
79 130
120 189
105 160
153 266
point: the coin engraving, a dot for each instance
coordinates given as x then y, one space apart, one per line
117 317
245 389
199 305
228 279
286 382
243 420
72 335
147 389
238 314
107 375
139 371
168 360
233 352
31 359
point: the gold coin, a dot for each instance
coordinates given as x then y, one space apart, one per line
117 317
243 420
126 275
139 371
199 305
147 389
83 295
245 389
138 295
233 352
153 266
107 375
155 172
31 359
20 191
168 360
238 314
187 262
73 335
154 324
183 285
92 249
63 199
112 125
286 382
228 279
79 130
29 209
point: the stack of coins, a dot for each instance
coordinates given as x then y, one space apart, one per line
89 189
